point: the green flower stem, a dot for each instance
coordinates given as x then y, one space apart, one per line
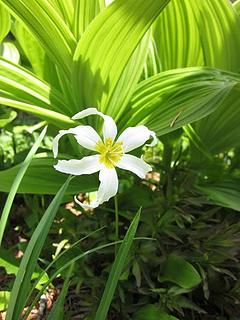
116 222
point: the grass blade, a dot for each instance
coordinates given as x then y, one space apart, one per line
116 270
16 183
22 283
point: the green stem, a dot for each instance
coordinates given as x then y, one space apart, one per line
116 222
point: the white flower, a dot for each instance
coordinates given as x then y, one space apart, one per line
111 154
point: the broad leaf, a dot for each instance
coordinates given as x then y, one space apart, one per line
10 52
178 97
220 131
44 21
5 22
42 178
152 312
107 45
225 193
196 33
181 272
84 12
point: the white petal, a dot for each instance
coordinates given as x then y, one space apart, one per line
109 125
134 137
86 136
134 164
86 165
107 189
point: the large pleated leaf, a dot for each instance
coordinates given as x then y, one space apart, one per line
236 6
175 98
176 37
224 193
22 90
84 12
19 84
5 22
9 52
44 21
107 45
192 32
117 102
42 178
65 9
221 130
41 64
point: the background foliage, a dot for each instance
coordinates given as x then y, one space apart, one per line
172 65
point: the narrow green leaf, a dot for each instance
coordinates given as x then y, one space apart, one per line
99 60
29 261
116 270
50 116
57 312
17 181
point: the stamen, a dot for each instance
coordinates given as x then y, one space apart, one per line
110 152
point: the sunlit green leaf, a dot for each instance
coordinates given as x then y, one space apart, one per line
42 178
99 60
175 98
5 22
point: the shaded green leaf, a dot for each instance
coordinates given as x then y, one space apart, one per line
152 312
6 116
225 192
181 272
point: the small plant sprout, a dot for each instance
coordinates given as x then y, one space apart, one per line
112 153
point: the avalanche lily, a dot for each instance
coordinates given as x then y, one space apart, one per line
112 153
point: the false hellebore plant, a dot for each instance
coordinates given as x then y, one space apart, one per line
111 154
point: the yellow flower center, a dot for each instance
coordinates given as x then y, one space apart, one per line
110 152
